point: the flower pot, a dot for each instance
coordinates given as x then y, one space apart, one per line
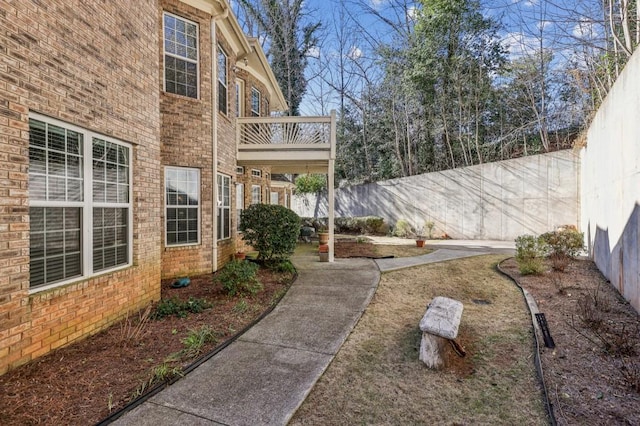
240 256
323 237
419 243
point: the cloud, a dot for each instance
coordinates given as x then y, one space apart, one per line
584 29
354 53
519 44
313 52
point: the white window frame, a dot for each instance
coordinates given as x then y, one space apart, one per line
239 98
223 79
87 204
167 206
222 207
240 170
256 194
277 196
255 94
239 202
256 173
180 57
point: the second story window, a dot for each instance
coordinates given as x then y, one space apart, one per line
222 81
180 56
255 102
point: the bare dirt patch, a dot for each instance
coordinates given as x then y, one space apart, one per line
593 374
346 247
82 383
377 378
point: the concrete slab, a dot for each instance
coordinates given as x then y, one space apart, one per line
441 255
321 329
246 384
364 278
342 296
149 414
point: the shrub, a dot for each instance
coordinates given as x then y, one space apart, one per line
283 266
402 229
179 308
271 229
239 277
360 225
563 244
530 253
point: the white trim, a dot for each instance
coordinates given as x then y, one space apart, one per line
225 83
87 205
198 208
256 173
221 206
240 100
164 52
259 192
253 111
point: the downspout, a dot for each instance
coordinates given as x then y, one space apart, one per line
214 137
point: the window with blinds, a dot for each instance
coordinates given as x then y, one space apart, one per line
224 207
182 199
80 203
180 56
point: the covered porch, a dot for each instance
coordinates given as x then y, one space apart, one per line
291 145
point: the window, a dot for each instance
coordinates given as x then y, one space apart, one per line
266 107
239 98
256 173
224 207
286 199
182 203
256 194
255 102
239 202
274 198
239 170
222 81
80 223
180 56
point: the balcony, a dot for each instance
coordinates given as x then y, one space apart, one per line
287 144
291 145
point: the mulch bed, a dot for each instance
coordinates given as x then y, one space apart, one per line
593 373
83 383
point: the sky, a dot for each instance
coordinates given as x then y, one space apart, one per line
559 23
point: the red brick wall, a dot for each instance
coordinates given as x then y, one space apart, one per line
93 64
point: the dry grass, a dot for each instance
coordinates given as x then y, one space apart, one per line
376 378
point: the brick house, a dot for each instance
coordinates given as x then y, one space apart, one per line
119 144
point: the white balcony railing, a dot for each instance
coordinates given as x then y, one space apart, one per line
258 133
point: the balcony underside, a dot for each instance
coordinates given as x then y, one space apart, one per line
286 158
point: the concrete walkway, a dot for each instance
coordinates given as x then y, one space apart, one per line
264 376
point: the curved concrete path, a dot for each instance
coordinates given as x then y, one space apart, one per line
264 376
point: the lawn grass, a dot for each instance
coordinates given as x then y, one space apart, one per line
376 378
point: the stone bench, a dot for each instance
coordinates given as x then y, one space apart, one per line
439 325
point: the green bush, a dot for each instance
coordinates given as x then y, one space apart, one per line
180 308
239 277
283 266
271 229
563 244
360 225
530 252
402 229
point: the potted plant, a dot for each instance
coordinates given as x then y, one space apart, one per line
323 235
240 255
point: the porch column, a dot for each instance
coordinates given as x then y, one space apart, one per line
330 182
